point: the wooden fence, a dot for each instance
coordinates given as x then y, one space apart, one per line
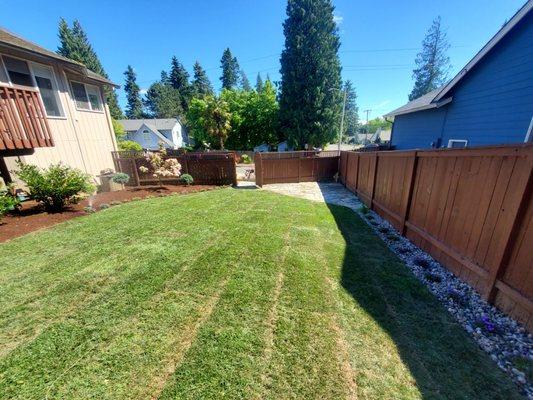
209 168
471 209
295 166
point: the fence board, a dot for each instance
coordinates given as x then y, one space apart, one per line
472 209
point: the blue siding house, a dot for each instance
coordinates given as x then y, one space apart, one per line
489 102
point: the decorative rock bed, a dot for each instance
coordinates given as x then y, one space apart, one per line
506 341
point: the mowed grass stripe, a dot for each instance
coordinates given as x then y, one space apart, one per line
227 358
80 282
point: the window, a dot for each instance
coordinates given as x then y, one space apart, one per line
457 143
87 97
146 134
47 87
38 76
18 71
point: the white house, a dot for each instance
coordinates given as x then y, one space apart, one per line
52 110
150 132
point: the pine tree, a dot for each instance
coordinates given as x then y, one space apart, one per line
179 80
201 86
134 109
230 70
245 83
165 80
259 83
74 44
163 101
310 98
432 62
351 117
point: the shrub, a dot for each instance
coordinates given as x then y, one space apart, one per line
383 229
8 202
187 179
56 186
162 167
89 209
457 296
115 202
392 237
364 209
103 206
129 145
121 177
245 158
432 277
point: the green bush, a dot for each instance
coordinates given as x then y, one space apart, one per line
187 179
129 145
103 206
55 186
121 177
8 203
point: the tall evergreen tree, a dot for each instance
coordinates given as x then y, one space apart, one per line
230 70
179 80
259 83
351 118
310 98
245 83
134 109
74 44
163 101
201 86
165 80
432 63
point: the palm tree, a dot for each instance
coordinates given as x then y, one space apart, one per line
217 119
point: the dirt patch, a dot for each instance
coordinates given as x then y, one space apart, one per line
32 217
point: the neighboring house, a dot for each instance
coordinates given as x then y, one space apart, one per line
52 110
490 101
262 148
150 132
284 146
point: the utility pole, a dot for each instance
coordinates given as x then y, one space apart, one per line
342 120
366 129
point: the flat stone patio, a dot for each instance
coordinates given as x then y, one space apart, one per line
333 193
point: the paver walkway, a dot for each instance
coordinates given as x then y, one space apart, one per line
333 193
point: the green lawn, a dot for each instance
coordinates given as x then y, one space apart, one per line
229 293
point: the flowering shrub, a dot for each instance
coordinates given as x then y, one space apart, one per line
486 324
162 168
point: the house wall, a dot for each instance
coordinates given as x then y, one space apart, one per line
150 142
82 139
493 104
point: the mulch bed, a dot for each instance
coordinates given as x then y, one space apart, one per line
32 217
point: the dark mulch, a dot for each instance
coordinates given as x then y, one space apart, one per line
32 217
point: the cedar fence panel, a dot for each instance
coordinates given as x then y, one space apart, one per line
471 209
210 168
295 166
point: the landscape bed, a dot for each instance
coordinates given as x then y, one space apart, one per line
228 293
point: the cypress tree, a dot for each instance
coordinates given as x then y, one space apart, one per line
432 63
310 98
74 44
201 86
230 70
351 118
134 109
179 80
259 83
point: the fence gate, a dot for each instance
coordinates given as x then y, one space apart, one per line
295 166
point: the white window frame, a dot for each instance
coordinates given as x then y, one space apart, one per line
34 81
90 109
452 141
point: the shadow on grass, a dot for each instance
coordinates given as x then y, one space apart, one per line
443 360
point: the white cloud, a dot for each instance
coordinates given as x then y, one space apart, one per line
381 105
338 19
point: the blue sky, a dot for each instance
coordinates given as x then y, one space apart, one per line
380 38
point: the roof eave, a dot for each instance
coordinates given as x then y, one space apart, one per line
421 108
526 8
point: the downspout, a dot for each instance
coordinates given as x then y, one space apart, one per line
391 131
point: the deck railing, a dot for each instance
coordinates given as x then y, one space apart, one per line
23 123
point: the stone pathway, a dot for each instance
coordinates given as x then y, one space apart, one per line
333 193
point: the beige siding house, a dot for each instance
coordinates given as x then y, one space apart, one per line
52 110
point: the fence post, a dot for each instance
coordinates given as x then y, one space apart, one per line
135 172
374 173
258 169
406 201
503 258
